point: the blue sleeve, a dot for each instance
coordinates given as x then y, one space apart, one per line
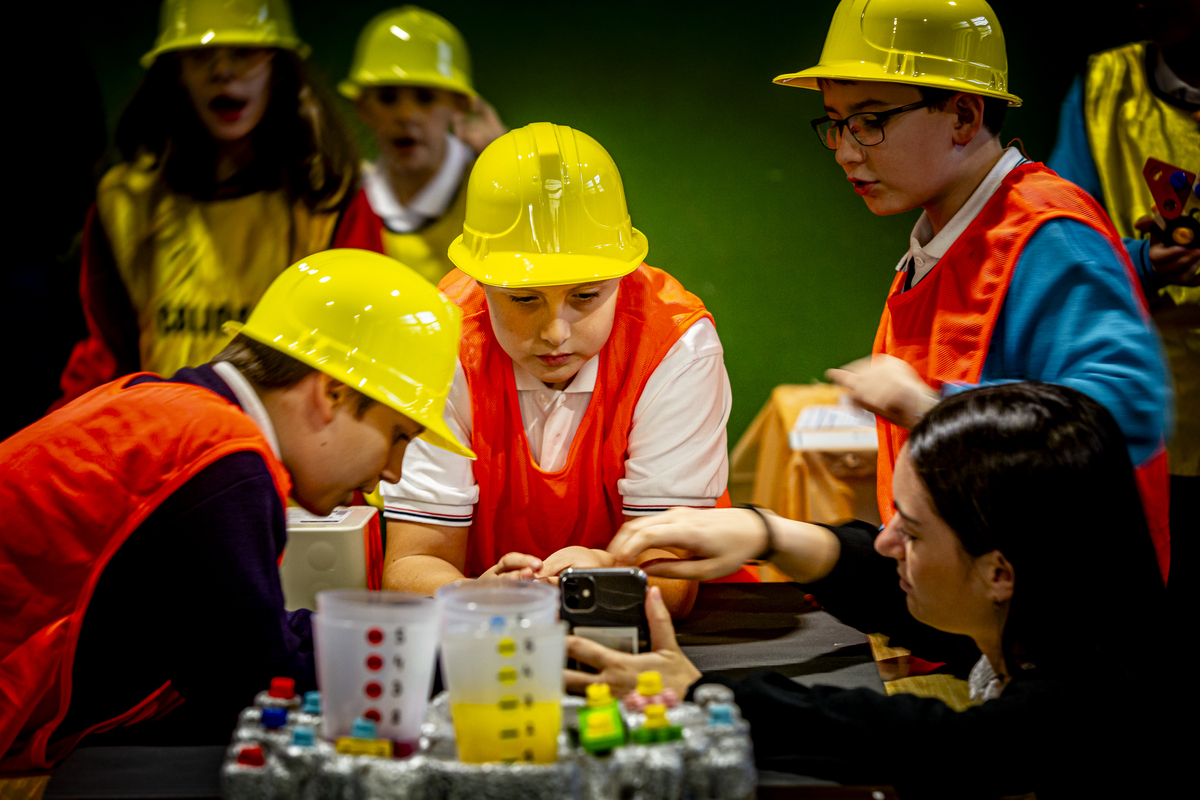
1072 317
1072 155
1139 254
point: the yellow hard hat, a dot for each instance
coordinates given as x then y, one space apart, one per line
409 46
945 45
545 207
372 323
187 24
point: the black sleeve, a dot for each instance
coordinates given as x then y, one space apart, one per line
193 596
863 591
1036 735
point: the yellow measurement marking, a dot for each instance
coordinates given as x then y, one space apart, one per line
506 647
507 676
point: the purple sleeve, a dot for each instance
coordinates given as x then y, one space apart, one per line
193 596
234 524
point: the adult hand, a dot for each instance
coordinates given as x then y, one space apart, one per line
515 566
886 386
479 126
620 670
574 556
1171 262
719 540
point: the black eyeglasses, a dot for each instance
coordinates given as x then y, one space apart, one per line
865 127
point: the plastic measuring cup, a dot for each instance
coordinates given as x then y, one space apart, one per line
478 604
375 658
506 686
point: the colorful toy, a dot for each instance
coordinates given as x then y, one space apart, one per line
657 727
600 725
1176 206
362 741
650 691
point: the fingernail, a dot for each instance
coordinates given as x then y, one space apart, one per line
655 592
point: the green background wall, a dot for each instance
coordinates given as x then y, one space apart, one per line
721 170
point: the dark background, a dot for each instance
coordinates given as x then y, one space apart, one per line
721 170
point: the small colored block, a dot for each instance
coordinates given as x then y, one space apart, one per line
348 745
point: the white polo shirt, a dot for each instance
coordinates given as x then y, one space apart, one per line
677 446
429 203
926 249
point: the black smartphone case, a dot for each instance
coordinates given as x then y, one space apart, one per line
620 601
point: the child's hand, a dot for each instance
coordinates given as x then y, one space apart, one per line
1171 262
620 670
479 126
886 386
573 556
515 566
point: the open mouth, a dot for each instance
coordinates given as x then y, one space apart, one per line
404 142
227 109
861 187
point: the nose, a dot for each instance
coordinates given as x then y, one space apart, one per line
391 472
556 330
888 542
407 106
849 151
222 67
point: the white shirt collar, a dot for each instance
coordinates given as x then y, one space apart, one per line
249 401
429 203
925 248
584 381
1172 84
983 683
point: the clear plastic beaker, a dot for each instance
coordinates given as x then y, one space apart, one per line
375 658
506 686
478 604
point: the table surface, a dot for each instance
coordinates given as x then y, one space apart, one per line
733 630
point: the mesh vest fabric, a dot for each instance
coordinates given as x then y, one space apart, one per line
1127 122
522 507
943 326
75 485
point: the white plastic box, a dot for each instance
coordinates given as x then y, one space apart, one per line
327 553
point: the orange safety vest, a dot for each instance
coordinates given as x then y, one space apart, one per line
943 326
74 486
522 507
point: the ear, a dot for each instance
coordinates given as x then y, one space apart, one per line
998 575
968 112
327 395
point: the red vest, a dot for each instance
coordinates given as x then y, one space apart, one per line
943 326
522 507
74 486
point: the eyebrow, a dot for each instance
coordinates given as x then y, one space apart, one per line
906 517
860 105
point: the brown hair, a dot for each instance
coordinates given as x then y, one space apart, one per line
301 144
268 368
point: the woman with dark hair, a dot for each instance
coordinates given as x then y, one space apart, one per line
233 167
1017 510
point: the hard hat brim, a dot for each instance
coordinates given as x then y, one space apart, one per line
436 432
352 90
507 269
858 71
227 40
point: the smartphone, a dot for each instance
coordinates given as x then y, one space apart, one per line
607 606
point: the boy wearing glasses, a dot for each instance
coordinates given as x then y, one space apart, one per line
1011 273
